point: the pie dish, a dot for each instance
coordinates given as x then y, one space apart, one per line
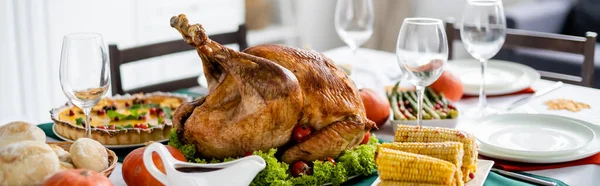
122 119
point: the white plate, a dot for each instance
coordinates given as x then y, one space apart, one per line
483 169
502 77
108 146
533 134
591 149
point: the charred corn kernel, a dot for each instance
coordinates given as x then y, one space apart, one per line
395 183
395 165
406 133
450 151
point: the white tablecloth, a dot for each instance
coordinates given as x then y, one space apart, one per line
385 63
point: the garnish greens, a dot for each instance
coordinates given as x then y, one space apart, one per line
360 160
79 121
134 114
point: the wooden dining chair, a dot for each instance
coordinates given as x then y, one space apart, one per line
119 57
546 41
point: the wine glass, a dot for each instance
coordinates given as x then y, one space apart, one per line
84 71
483 31
422 52
354 24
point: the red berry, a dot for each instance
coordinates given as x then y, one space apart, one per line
101 112
136 126
116 119
437 106
71 113
111 127
366 138
471 175
248 154
152 111
143 126
127 104
101 127
451 107
142 117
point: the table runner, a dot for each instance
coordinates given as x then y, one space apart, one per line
493 179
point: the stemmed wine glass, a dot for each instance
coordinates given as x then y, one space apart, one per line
84 71
483 31
354 24
422 51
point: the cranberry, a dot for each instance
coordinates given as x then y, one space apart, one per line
101 112
71 113
101 127
471 175
142 117
248 154
143 126
136 126
451 107
111 127
127 104
152 111
116 119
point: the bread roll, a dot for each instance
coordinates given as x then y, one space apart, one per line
63 156
89 154
27 163
19 131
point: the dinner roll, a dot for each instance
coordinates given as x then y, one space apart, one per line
89 154
63 155
27 163
20 131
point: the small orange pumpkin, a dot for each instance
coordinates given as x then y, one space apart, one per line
79 177
450 85
376 106
135 173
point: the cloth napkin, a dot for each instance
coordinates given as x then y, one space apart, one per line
528 90
516 166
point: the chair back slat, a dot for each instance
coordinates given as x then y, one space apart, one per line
545 41
119 57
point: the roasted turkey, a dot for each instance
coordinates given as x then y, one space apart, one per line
256 97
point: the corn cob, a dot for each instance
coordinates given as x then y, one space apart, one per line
406 133
395 165
396 183
448 151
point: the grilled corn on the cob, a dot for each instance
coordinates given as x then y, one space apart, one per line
406 133
396 183
395 165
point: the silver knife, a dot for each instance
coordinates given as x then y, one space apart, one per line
537 94
524 178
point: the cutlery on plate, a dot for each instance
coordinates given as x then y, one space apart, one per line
537 94
523 177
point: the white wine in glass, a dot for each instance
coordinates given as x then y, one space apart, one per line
483 32
84 72
422 51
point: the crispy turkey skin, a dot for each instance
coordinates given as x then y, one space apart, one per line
256 98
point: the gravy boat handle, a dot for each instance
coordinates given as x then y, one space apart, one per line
167 159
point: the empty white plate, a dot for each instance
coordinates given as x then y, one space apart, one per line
502 77
533 134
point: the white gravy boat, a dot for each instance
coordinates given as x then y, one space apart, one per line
238 172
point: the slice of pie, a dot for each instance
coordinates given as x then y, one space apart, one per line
121 120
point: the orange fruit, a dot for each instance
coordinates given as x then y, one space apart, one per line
376 106
450 85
